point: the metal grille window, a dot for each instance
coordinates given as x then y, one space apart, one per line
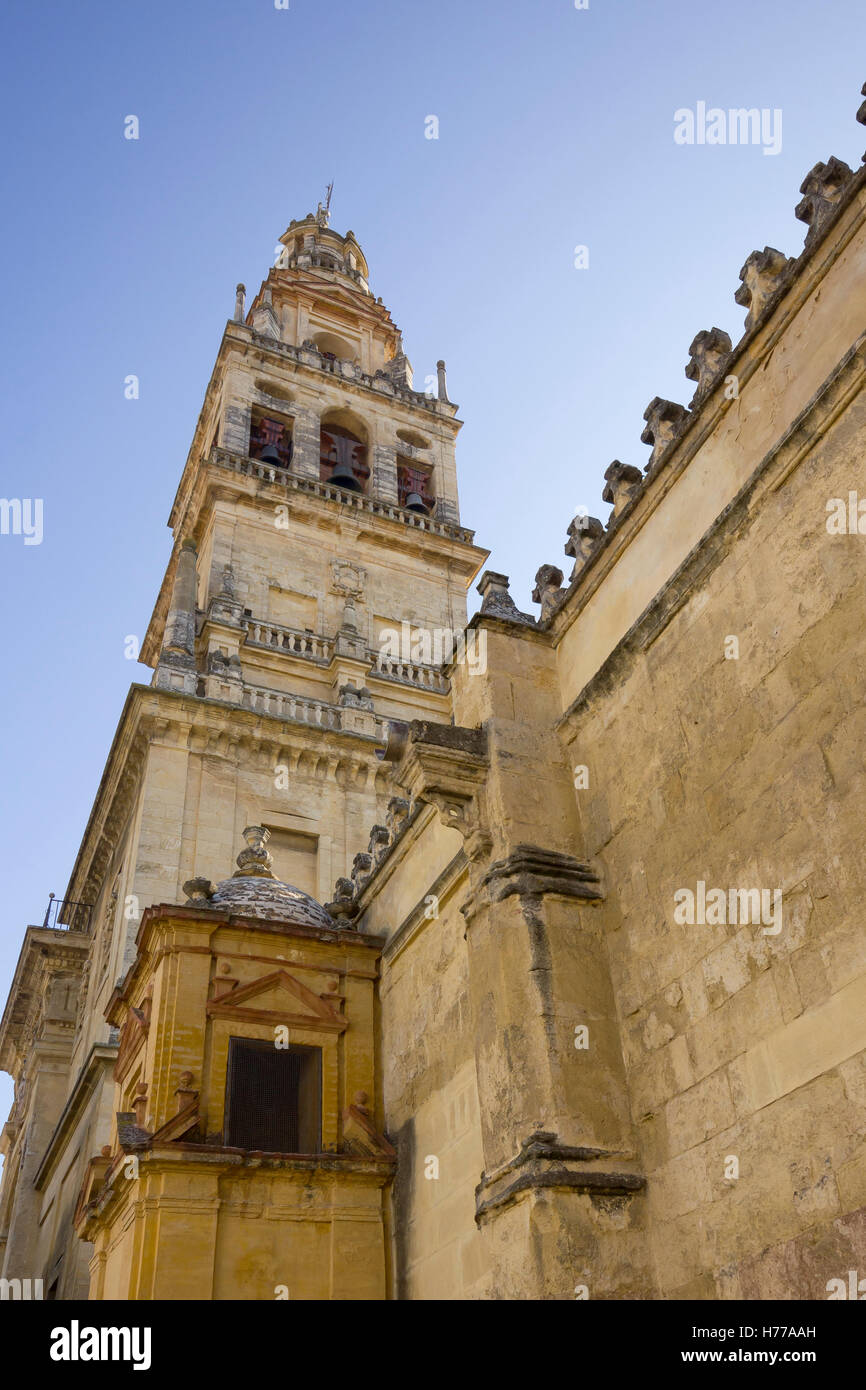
273 1097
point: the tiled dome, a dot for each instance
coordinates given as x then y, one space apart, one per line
268 897
255 891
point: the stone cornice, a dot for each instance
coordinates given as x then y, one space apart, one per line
447 766
92 1073
41 946
209 921
101 1194
544 1163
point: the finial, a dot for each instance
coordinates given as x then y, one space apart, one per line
496 601
440 373
240 301
255 861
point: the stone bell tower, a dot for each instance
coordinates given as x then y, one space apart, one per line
318 567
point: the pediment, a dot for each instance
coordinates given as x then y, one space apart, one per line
280 997
327 292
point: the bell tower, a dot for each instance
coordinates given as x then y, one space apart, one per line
318 555
318 570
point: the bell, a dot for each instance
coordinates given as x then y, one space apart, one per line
415 503
271 454
345 478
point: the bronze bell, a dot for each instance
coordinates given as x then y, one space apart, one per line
271 454
345 478
415 503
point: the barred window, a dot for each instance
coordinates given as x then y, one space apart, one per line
273 1097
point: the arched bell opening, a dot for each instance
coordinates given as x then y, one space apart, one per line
414 487
271 438
343 452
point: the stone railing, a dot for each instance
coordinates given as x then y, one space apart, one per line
379 381
293 482
316 713
391 668
303 711
293 641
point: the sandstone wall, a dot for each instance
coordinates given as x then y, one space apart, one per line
428 1086
741 773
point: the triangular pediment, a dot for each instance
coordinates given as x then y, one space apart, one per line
341 297
281 995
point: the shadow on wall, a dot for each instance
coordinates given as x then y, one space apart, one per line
401 1197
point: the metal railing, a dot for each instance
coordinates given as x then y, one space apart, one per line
65 915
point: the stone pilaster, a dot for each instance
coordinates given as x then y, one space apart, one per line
236 427
176 669
306 439
560 1159
383 483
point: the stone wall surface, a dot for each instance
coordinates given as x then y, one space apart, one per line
744 1042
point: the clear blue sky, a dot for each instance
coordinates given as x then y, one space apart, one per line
555 129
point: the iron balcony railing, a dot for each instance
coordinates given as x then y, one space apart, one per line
65 915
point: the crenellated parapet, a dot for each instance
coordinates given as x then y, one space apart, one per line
822 190
548 589
665 421
584 537
710 350
497 601
764 276
621 482
383 838
714 358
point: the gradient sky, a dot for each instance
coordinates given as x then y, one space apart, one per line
555 130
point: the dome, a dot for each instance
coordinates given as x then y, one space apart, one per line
269 897
255 891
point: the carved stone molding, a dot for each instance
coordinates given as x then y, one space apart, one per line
544 1163
531 873
347 578
447 766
